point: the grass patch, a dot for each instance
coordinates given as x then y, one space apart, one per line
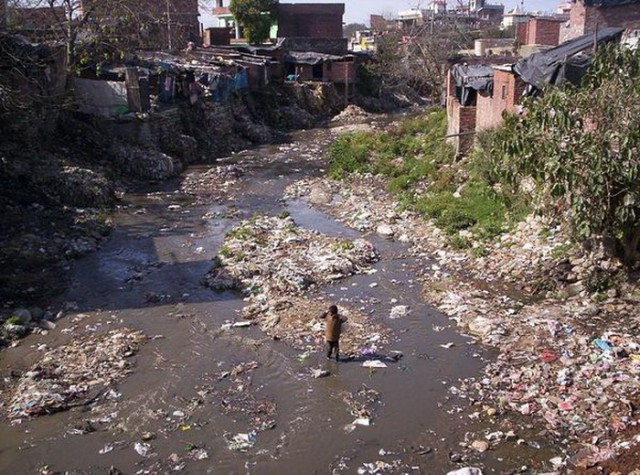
465 195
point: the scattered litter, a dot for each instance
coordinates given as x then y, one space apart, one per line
374 364
106 449
319 373
69 374
399 311
241 442
142 449
448 345
466 471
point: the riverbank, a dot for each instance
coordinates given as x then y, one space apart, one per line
561 394
562 318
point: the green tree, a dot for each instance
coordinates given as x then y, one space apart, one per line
582 146
255 17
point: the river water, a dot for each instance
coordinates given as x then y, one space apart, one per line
148 277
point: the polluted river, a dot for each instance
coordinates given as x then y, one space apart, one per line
208 391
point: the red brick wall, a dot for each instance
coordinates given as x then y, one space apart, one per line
341 71
217 36
507 91
315 20
583 19
522 33
543 31
460 120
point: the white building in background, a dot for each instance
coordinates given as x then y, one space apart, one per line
438 7
515 16
413 16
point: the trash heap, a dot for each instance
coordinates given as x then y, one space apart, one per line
75 374
275 263
214 184
567 331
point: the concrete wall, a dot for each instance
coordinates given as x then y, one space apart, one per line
584 19
315 20
507 91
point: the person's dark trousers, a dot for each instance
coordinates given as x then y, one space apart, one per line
330 346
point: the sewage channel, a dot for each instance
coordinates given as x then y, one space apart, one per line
148 277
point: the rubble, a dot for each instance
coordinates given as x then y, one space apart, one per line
76 373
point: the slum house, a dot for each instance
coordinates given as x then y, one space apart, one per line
479 95
160 80
464 82
588 15
155 26
298 59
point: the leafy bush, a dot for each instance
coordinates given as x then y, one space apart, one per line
580 145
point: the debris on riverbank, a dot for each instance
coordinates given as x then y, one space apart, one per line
77 373
564 323
276 263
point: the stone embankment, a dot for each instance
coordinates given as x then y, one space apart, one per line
564 322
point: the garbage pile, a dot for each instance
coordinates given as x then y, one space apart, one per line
352 113
296 320
567 332
214 184
275 263
75 374
271 256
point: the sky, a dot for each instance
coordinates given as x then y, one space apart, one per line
358 11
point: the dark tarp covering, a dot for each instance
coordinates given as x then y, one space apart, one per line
557 65
477 77
609 3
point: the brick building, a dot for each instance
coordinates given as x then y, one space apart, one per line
507 91
587 15
169 24
478 95
540 31
464 83
315 20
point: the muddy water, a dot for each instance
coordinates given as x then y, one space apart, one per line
148 277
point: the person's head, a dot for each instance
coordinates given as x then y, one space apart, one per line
333 310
